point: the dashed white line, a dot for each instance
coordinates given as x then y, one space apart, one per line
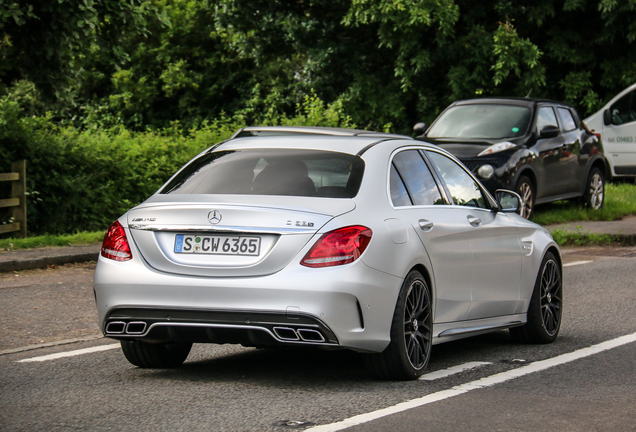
70 353
478 384
577 263
452 371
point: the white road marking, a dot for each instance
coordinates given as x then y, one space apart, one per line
50 344
475 385
70 353
452 371
576 263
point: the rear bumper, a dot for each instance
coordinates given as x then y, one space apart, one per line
250 328
348 306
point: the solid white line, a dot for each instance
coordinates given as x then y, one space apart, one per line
452 371
69 353
475 385
51 344
576 263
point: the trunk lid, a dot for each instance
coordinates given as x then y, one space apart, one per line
225 237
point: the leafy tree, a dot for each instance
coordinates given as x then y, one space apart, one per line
44 41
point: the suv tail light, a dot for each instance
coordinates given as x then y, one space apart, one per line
115 245
337 247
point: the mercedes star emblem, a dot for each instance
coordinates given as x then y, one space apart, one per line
214 217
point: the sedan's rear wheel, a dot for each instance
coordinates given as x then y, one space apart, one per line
525 189
156 355
546 305
408 352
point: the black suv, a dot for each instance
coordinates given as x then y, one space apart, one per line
539 148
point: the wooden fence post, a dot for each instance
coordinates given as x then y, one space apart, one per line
18 190
17 202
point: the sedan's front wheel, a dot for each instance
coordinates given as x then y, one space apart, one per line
156 355
546 305
408 352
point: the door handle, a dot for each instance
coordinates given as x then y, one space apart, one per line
474 221
426 225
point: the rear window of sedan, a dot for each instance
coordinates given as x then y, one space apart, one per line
271 172
481 121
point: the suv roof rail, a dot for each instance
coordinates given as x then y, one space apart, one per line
311 130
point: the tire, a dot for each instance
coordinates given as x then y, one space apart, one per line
594 196
546 305
156 355
525 189
407 355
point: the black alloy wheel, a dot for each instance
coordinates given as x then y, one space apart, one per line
546 305
525 189
409 351
156 355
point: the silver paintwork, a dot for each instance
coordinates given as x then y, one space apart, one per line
481 264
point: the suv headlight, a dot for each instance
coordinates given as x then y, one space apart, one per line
496 148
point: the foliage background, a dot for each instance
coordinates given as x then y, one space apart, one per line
106 98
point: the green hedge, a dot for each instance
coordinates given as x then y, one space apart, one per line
83 180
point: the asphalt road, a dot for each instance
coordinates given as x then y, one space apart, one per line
231 388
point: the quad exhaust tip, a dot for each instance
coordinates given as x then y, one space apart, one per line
131 328
305 335
288 334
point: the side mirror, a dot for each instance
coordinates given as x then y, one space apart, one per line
550 131
420 129
508 201
607 117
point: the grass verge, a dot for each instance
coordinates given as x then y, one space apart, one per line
578 238
81 238
620 201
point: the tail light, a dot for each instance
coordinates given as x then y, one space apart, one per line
115 245
337 247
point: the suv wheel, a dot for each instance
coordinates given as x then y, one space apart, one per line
525 189
595 190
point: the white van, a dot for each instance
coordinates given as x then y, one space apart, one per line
616 122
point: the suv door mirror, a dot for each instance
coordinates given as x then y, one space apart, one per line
508 201
607 117
550 131
419 129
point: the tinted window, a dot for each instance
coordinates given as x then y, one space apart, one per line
399 195
568 121
417 178
271 172
623 111
488 121
546 117
463 188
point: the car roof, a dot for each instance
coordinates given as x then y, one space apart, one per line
311 130
510 100
352 141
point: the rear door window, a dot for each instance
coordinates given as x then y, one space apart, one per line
412 182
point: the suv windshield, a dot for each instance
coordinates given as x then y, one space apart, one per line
271 172
485 121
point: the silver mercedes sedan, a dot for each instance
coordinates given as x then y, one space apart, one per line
334 238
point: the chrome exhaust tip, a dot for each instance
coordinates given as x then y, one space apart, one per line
286 333
135 327
310 335
116 327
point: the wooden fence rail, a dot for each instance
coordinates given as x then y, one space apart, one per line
17 202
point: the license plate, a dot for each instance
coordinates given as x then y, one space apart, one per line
217 244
